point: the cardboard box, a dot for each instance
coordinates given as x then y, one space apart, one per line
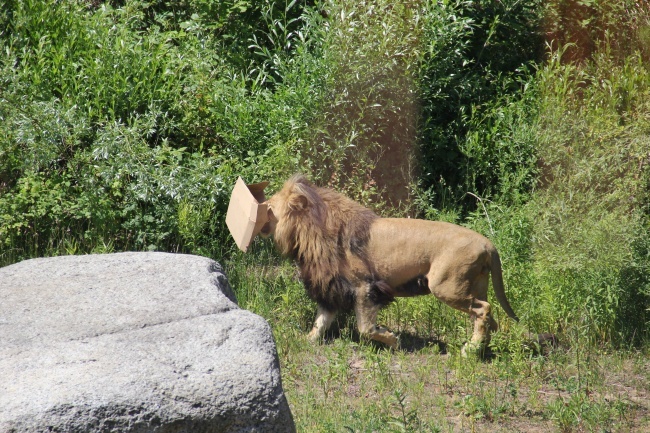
247 212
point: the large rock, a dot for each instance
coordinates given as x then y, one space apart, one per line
133 342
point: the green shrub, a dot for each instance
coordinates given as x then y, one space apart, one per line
586 28
589 211
361 137
473 71
135 119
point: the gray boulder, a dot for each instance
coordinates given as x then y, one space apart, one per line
133 342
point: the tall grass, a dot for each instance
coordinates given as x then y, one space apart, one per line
590 212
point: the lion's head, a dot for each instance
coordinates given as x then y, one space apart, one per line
296 199
319 229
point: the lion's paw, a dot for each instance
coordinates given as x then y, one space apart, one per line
473 349
314 336
383 335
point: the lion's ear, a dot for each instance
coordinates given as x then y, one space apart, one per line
298 202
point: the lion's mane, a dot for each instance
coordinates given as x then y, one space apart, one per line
318 228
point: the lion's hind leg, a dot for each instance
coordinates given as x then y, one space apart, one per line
484 324
470 297
324 319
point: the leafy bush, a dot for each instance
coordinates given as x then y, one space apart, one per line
589 211
474 66
132 116
585 28
363 137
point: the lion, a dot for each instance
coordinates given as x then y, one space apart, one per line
350 259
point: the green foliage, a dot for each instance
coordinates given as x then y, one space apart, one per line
362 138
586 27
135 115
124 124
590 210
66 52
473 73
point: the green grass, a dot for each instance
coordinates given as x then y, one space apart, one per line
348 384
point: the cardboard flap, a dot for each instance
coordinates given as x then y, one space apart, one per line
257 190
246 213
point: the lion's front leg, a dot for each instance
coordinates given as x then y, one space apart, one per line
366 311
324 319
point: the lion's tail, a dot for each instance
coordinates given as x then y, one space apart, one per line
497 284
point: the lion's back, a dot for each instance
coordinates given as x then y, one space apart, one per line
409 246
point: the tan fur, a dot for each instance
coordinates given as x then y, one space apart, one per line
349 258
